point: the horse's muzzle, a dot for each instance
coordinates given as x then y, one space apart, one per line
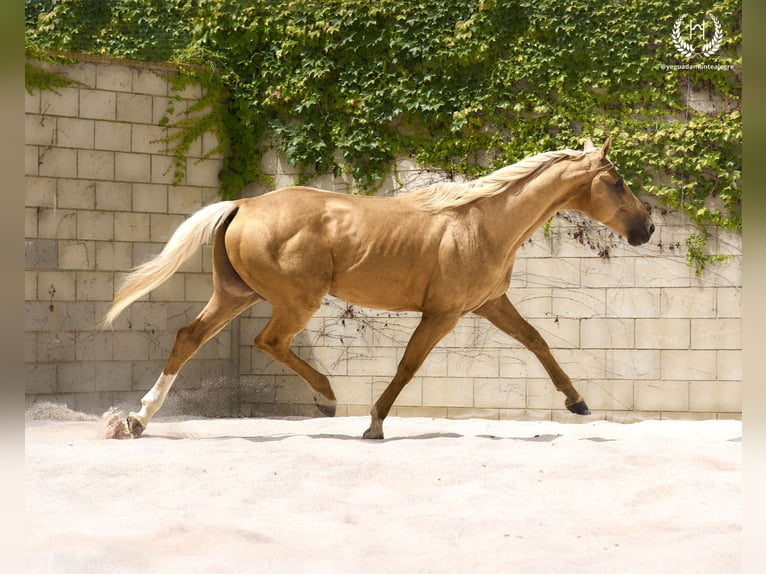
642 234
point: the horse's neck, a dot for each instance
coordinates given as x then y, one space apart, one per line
516 216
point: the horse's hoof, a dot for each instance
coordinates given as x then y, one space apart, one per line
136 428
579 408
326 406
371 434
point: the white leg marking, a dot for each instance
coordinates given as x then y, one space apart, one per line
152 401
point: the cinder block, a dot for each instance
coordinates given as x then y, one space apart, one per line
716 333
40 378
76 255
697 302
131 346
134 108
112 376
113 196
613 272
162 226
203 172
76 377
730 365
150 197
95 225
662 396
472 364
57 162
131 227
92 164
40 254
663 272
95 286
639 302
61 102
579 303
633 364
74 132
77 316
689 365
599 333
117 78
83 73
358 391
172 290
30 223
148 81
662 333
556 272
520 364
111 256
716 396
132 167
148 139
76 194
98 105
39 191
374 361
453 392
57 223
498 393
541 394
559 333
32 102
30 285
150 316
113 136
608 394
31 160
185 200
55 286
93 346
163 169
39 130
729 302
55 347
38 316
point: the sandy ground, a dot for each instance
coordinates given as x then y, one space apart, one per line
308 495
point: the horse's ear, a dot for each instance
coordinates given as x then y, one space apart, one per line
588 145
606 147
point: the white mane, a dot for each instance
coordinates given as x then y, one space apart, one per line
444 195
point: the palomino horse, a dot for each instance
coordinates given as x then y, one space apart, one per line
445 250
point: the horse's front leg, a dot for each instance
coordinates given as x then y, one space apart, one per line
427 334
501 313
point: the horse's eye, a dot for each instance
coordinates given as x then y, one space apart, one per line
618 185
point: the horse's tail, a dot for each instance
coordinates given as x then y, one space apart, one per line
192 233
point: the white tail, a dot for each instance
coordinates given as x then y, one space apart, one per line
192 233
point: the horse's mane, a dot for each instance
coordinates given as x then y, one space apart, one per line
447 194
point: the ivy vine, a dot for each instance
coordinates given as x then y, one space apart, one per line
346 86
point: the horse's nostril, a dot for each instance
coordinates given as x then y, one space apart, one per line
651 228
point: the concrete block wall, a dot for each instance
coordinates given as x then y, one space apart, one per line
100 200
640 334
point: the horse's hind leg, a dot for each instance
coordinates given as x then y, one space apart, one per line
217 313
276 338
501 313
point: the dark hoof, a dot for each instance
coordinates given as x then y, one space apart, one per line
326 406
370 434
136 428
579 408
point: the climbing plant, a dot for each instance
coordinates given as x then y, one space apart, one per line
464 85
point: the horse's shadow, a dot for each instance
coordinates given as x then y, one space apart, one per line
542 438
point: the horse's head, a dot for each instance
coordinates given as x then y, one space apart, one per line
610 200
